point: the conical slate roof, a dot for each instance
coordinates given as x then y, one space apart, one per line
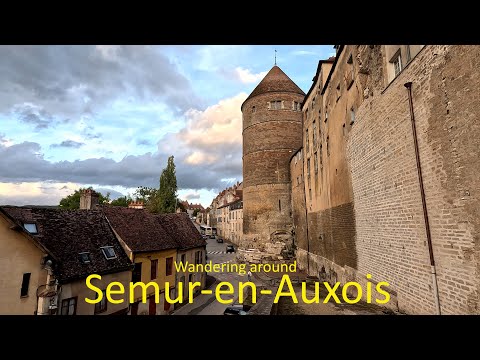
275 81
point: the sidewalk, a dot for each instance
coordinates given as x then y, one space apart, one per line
286 306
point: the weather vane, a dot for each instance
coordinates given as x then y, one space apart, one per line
275 56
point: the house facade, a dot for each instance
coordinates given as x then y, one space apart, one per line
73 244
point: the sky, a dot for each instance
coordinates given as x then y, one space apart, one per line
109 116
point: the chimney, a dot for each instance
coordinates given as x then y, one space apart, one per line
88 199
136 205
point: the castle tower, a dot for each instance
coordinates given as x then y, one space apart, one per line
272 132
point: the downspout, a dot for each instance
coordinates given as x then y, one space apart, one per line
305 199
408 85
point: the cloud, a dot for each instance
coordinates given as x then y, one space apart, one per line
32 114
303 52
113 193
144 142
69 81
69 144
34 193
191 196
207 150
247 77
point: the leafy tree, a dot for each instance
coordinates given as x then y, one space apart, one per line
165 199
145 194
72 201
181 206
122 201
195 212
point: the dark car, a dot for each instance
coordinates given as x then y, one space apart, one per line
204 237
235 309
219 240
211 237
230 249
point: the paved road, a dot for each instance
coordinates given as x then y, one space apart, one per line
207 304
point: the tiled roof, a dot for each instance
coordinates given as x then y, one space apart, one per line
181 228
66 233
139 229
143 231
275 81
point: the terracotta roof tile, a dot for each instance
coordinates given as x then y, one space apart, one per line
275 81
139 229
66 233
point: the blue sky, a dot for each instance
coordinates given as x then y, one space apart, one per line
109 116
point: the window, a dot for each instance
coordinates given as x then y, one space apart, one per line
30 227
253 109
69 306
326 116
134 309
296 106
198 257
314 134
321 158
310 194
182 259
408 54
25 285
85 257
338 92
315 162
328 148
153 269
275 105
343 129
109 252
279 205
352 116
397 64
169 266
307 139
137 273
102 305
308 167
349 73
166 304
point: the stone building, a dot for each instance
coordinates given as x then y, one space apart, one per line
272 132
220 217
390 157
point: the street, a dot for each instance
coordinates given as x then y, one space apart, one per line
204 304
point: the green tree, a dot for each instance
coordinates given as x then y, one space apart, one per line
165 199
72 201
195 212
180 205
122 201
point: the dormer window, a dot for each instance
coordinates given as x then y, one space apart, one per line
253 109
85 257
31 228
109 252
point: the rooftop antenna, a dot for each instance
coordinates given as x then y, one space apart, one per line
275 57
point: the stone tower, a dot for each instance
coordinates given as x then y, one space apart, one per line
272 132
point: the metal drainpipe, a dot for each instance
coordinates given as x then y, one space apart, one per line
408 85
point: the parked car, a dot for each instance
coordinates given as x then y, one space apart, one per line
235 309
230 249
219 240
211 237
204 237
